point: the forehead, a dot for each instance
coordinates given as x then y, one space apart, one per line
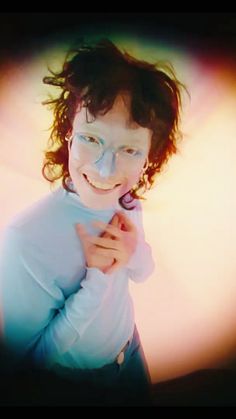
115 124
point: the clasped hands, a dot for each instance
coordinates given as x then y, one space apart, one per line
113 248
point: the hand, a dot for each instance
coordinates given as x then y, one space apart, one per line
122 244
92 257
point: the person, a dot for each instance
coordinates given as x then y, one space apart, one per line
67 259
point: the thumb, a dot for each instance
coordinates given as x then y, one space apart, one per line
80 230
82 233
114 220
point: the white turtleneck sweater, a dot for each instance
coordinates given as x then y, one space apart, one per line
52 304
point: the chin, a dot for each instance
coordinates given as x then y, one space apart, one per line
96 198
103 203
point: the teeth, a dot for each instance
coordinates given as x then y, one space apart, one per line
99 185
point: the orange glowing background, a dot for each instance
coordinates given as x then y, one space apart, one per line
186 311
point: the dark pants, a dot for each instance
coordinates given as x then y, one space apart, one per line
127 384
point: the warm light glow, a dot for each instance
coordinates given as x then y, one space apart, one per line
186 310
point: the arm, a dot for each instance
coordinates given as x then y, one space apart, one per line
141 264
36 316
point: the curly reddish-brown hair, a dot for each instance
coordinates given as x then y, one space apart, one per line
95 75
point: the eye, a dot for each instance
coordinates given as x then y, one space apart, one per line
89 139
131 151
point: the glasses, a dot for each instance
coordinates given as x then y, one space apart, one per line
91 149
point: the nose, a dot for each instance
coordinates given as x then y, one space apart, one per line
106 164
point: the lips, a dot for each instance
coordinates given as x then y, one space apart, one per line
99 190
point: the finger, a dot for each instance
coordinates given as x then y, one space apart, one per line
83 236
128 224
109 228
104 242
81 230
109 253
115 222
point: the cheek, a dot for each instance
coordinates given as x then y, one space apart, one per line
75 166
127 177
72 168
129 181
132 178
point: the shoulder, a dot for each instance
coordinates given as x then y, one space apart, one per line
33 220
34 210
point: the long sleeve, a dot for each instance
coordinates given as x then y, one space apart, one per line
141 264
36 315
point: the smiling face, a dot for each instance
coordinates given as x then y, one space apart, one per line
124 149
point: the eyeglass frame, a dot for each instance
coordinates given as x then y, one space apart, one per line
69 140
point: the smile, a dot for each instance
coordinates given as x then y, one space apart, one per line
103 187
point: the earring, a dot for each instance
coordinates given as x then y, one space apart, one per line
68 139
